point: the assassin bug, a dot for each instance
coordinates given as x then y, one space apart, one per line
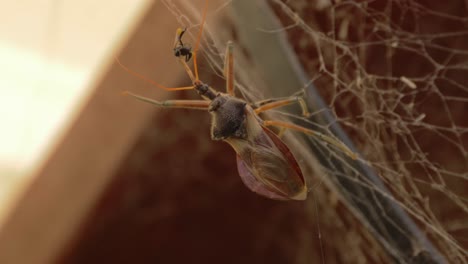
265 163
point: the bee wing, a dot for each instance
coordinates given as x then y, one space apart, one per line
267 167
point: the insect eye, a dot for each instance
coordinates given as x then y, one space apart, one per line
214 106
216 103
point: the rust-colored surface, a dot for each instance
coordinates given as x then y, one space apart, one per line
177 197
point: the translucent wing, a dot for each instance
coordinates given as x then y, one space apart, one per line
266 165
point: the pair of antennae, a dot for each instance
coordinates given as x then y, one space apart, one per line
187 68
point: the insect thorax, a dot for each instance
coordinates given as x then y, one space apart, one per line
185 51
228 118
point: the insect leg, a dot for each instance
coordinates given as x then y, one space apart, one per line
229 68
144 78
187 69
313 133
190 104
197 45
281 132
268 104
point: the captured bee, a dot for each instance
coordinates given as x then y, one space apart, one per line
181 49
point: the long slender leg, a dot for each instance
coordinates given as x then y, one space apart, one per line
316 134
188 70
144 78
197 45
268 104
191 104
229 68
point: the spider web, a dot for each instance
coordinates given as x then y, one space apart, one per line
394 75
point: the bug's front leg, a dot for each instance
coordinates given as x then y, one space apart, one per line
188 104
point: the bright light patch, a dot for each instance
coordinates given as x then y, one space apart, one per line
37 96
51 52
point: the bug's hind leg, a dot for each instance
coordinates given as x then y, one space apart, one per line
264 105
281 131
189 104
330 140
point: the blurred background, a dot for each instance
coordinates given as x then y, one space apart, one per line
90 176
52 54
